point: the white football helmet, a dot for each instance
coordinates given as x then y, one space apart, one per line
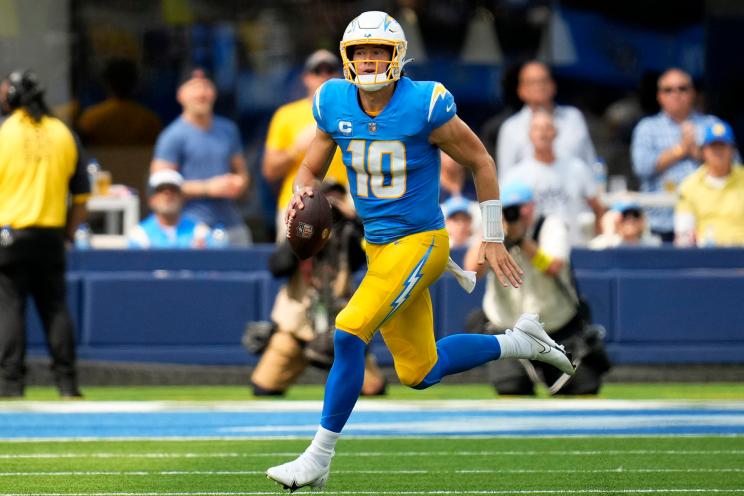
374 28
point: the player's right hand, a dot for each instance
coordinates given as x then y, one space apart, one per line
506 269
296 204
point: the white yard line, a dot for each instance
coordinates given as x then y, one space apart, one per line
364 405
12 456
619 470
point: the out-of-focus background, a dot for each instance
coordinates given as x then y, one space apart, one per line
657 305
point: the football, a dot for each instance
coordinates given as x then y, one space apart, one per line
310 228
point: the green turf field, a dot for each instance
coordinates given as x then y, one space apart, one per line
655 465
648 391
387 466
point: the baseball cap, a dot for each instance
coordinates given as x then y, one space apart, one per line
455 205
322 57
718 132
196 73
626 206
515 193
164 177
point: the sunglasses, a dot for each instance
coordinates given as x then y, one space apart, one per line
324 69
675 89
633 213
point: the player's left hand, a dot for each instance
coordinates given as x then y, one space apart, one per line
506 269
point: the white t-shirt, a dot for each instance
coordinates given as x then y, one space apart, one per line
560 188
572 140
540 293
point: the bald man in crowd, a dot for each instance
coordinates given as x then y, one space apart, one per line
536 88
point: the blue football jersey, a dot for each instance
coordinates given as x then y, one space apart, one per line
393 169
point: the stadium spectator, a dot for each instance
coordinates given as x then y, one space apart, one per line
536 89
41 163
206 150
301 331
166 227
119 120
540 244
664 147
624 225
710 209
561 186
489 132
458 221
291 130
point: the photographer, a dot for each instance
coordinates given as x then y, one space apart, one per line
302 321
540 245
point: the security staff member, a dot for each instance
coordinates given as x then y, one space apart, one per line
40 165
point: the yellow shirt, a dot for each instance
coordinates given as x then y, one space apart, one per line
288 122
718 212
116 122
37 162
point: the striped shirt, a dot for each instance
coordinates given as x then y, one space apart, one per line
651 136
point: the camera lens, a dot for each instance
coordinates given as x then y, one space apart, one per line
511 214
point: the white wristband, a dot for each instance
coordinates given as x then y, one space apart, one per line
493 227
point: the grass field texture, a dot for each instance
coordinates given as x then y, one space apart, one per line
651 465
383 466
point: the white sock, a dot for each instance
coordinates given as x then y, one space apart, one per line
323 445
514 346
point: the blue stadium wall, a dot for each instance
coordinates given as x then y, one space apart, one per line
660 305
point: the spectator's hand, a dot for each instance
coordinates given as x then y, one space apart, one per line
689 141
296 204
503 265
225 186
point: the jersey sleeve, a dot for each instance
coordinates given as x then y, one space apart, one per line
441 107
319 105
168 147
79 184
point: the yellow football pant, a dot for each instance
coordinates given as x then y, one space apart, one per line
394 297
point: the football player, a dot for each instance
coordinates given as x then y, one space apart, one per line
390 130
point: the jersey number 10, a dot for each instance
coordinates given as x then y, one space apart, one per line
371 176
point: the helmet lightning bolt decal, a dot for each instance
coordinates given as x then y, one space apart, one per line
413 278
439 92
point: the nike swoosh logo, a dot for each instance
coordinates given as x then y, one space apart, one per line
449 107
544 350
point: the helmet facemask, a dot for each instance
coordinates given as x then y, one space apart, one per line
386 71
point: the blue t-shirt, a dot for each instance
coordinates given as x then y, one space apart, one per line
150 234
201 154
393 169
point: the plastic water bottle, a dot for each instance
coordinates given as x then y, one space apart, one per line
709 240
6 236
82 237
93 168
219 237
600 176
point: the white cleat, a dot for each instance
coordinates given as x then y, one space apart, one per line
544 348
302 472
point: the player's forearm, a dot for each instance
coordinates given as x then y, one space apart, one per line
305 178
484 177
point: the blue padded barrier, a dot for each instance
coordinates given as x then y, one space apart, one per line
695 306
661 305
232 259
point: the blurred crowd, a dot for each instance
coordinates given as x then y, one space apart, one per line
192 174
